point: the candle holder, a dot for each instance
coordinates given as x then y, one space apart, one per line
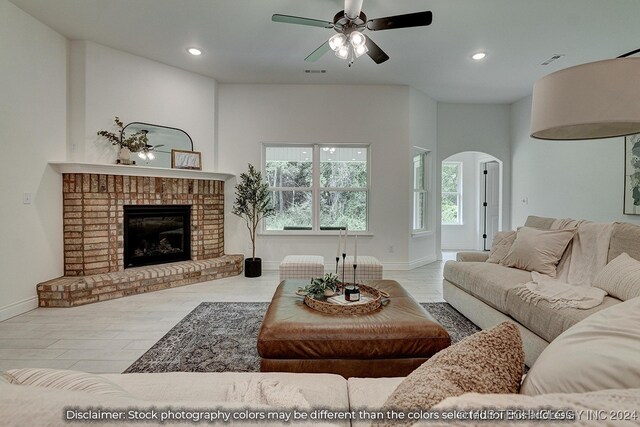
355 266
344 256
337 262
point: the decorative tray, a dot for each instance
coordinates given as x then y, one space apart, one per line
372 300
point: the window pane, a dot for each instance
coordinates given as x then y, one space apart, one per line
418 172
288 166
293 210
343 167
450 172
419 210
450 209
340 208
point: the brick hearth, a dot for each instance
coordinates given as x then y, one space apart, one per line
93 212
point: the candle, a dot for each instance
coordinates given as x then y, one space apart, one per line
339 241
355 251
346 237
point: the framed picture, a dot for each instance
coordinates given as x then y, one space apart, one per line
186 160
632 175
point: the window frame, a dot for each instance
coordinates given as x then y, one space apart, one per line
425 190
458 193
316 188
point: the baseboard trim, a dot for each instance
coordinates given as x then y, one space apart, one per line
391 266
17 308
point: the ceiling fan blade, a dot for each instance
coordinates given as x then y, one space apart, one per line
375 52
417 19
352 8
317 54
287 19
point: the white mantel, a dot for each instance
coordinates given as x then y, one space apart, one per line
133 170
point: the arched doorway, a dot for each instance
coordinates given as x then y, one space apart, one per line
471 200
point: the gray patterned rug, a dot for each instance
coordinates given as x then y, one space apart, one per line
222 336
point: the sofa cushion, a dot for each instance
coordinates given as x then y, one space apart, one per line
538 250
369 394
490 361
500 247
320 390
625 238
540 222
545 321
599 353
620 278
486 281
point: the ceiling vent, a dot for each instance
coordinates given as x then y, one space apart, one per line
315 71
553 58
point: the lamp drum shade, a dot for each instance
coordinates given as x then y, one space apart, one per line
590 101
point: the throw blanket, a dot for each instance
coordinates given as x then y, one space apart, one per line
585 257
267 392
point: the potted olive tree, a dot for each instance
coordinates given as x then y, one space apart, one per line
253 203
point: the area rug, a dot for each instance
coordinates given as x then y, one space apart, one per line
222 336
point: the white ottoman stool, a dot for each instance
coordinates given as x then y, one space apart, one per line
369 268
301 267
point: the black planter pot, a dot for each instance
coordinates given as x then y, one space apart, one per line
252 267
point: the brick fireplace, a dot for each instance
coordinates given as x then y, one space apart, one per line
93 213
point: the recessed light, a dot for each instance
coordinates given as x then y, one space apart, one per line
359 152
478 56
304 152
194 51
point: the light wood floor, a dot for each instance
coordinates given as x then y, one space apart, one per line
109 336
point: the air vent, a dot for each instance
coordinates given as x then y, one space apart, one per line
315 71
553 58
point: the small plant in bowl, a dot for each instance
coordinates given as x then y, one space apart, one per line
321 286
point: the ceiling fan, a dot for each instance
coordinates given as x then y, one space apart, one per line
349 42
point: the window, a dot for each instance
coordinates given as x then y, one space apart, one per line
317 187
451 193
420 191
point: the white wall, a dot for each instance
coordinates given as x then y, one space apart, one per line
577 179
483 128
32 132
378 115
105 82
423 134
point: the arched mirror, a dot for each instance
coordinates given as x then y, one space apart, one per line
162 139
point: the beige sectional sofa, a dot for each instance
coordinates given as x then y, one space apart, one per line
486 293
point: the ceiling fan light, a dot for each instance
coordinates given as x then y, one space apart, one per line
360 50
337 41
142 155
357 39
150 155
342 52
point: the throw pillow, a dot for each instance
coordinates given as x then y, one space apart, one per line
598 353
66 380
490 361
538 250
620 278
500 247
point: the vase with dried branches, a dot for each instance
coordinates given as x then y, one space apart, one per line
126 144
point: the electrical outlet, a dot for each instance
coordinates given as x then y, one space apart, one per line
26 198
525 200
391 249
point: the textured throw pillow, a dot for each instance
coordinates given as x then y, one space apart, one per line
538 250
500 247
620 278
489 361
66 380
598 353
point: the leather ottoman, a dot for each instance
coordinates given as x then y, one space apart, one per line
389 342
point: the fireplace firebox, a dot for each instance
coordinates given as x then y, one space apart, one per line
156 234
